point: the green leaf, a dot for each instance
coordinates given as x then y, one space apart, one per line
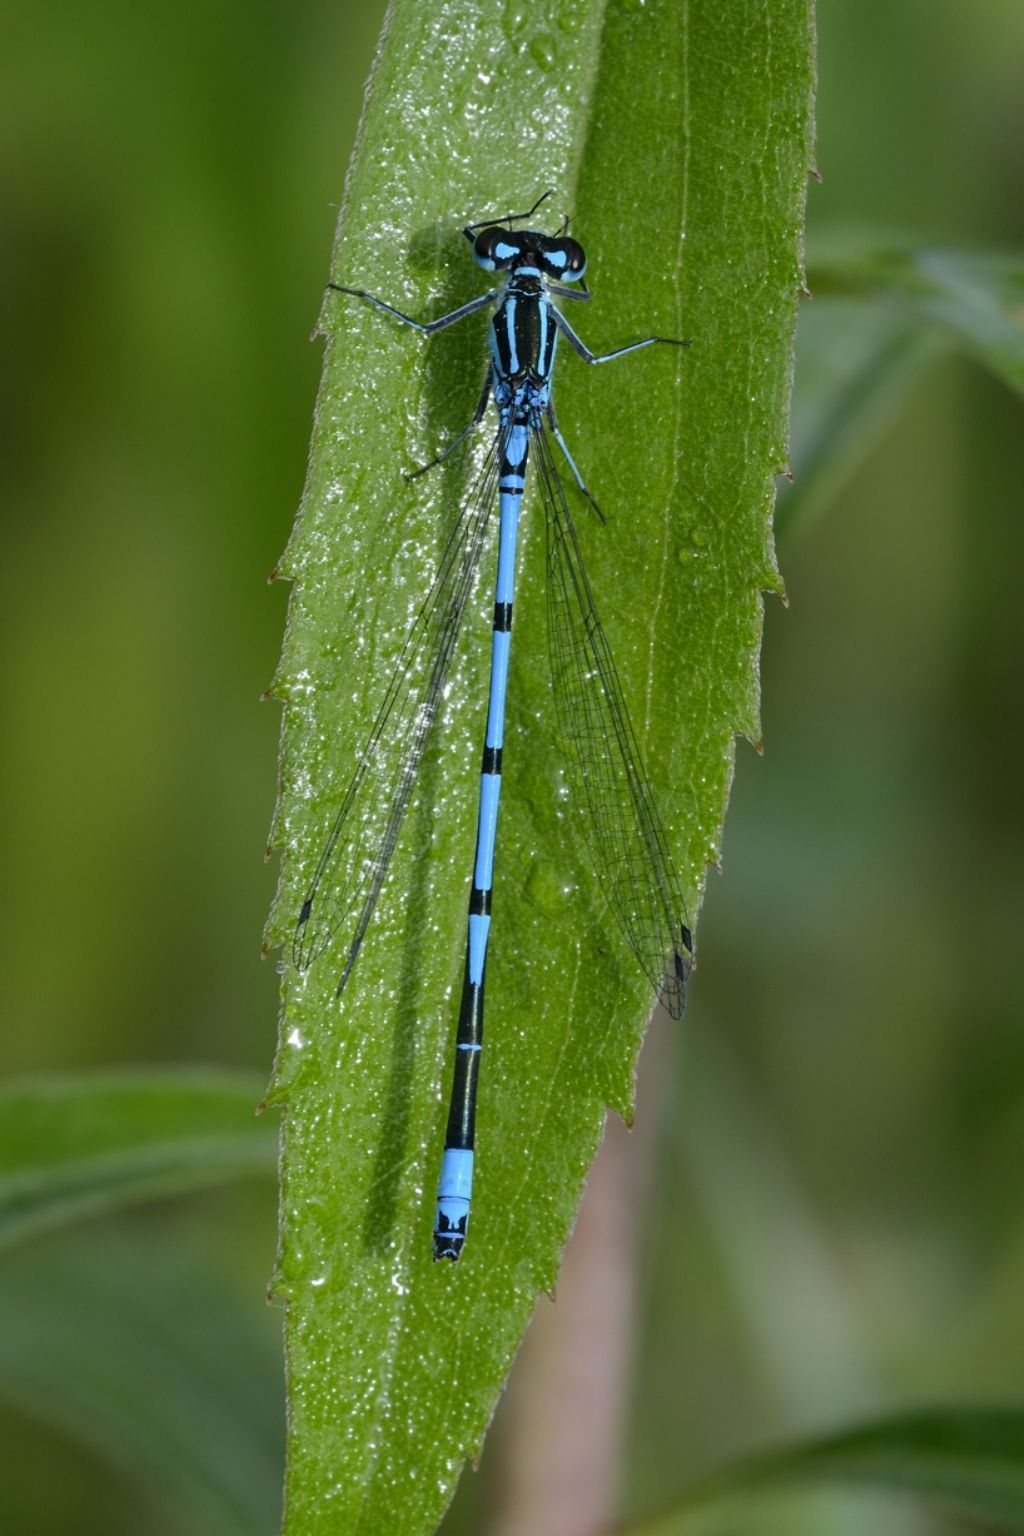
857 362
975 298
678 136
105 1342
78 1146
880 318
969 1459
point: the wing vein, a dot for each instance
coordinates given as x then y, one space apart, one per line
623 825
353 864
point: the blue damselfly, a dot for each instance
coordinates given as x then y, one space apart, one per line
627 837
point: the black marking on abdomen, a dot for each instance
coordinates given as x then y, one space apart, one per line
479 902
492 760
503 617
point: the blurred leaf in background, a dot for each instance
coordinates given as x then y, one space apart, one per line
837 1223
169 185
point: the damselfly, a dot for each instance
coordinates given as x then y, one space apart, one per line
627 837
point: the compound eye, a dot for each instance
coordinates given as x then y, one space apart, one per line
495 249
565 259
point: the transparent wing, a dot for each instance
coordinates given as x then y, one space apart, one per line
624 828
356 853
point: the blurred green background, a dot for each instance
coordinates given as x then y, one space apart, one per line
837 1228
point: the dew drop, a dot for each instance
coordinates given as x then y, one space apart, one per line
545 890
513 18
542 51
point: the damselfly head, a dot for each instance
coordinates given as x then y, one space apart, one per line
504 250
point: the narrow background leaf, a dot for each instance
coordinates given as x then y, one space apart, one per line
977 297
857 362
78 1146
395 1364
137 1349
878 322
968 1459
